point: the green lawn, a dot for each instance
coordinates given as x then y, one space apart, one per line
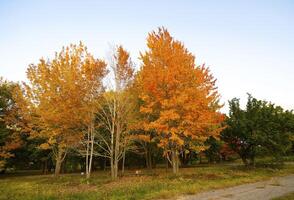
158 184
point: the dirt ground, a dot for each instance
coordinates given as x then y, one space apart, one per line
265 190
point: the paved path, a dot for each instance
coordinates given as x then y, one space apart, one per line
265 190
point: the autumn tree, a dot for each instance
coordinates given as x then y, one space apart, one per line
9 134
93 89
59 96
144 140
180 99
116 108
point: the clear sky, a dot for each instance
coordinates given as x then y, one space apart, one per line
249 45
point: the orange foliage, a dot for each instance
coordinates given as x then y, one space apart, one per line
124 67
10 122
180 99
60 95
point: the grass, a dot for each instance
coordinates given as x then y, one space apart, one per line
158 184
289 196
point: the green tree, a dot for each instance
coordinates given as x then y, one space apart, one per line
213 153
261 125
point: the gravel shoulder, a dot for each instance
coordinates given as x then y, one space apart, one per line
265 190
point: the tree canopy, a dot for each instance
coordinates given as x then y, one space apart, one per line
80 111
180 99
260 126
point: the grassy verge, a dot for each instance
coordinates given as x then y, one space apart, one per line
286 197
158 184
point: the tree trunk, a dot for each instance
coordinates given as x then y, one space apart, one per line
92 149
59 159
116 149
149 158
112 166
175 161
87 151
112 151
115 164
115 168
166 163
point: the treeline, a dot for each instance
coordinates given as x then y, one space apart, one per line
77 112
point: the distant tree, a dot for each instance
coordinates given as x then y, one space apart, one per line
180 99
260 125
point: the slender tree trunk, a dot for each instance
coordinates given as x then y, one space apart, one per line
175 161
146 159
113 159
113 153
87 151
117 145
166 163
112 156
59 158
92 150
115 166
111 166
115 169
150 158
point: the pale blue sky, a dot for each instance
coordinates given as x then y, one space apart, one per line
249 45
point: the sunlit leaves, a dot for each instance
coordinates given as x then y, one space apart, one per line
62 91
180 99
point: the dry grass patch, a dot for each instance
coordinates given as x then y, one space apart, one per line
158 184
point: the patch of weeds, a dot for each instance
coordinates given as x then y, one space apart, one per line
227 195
